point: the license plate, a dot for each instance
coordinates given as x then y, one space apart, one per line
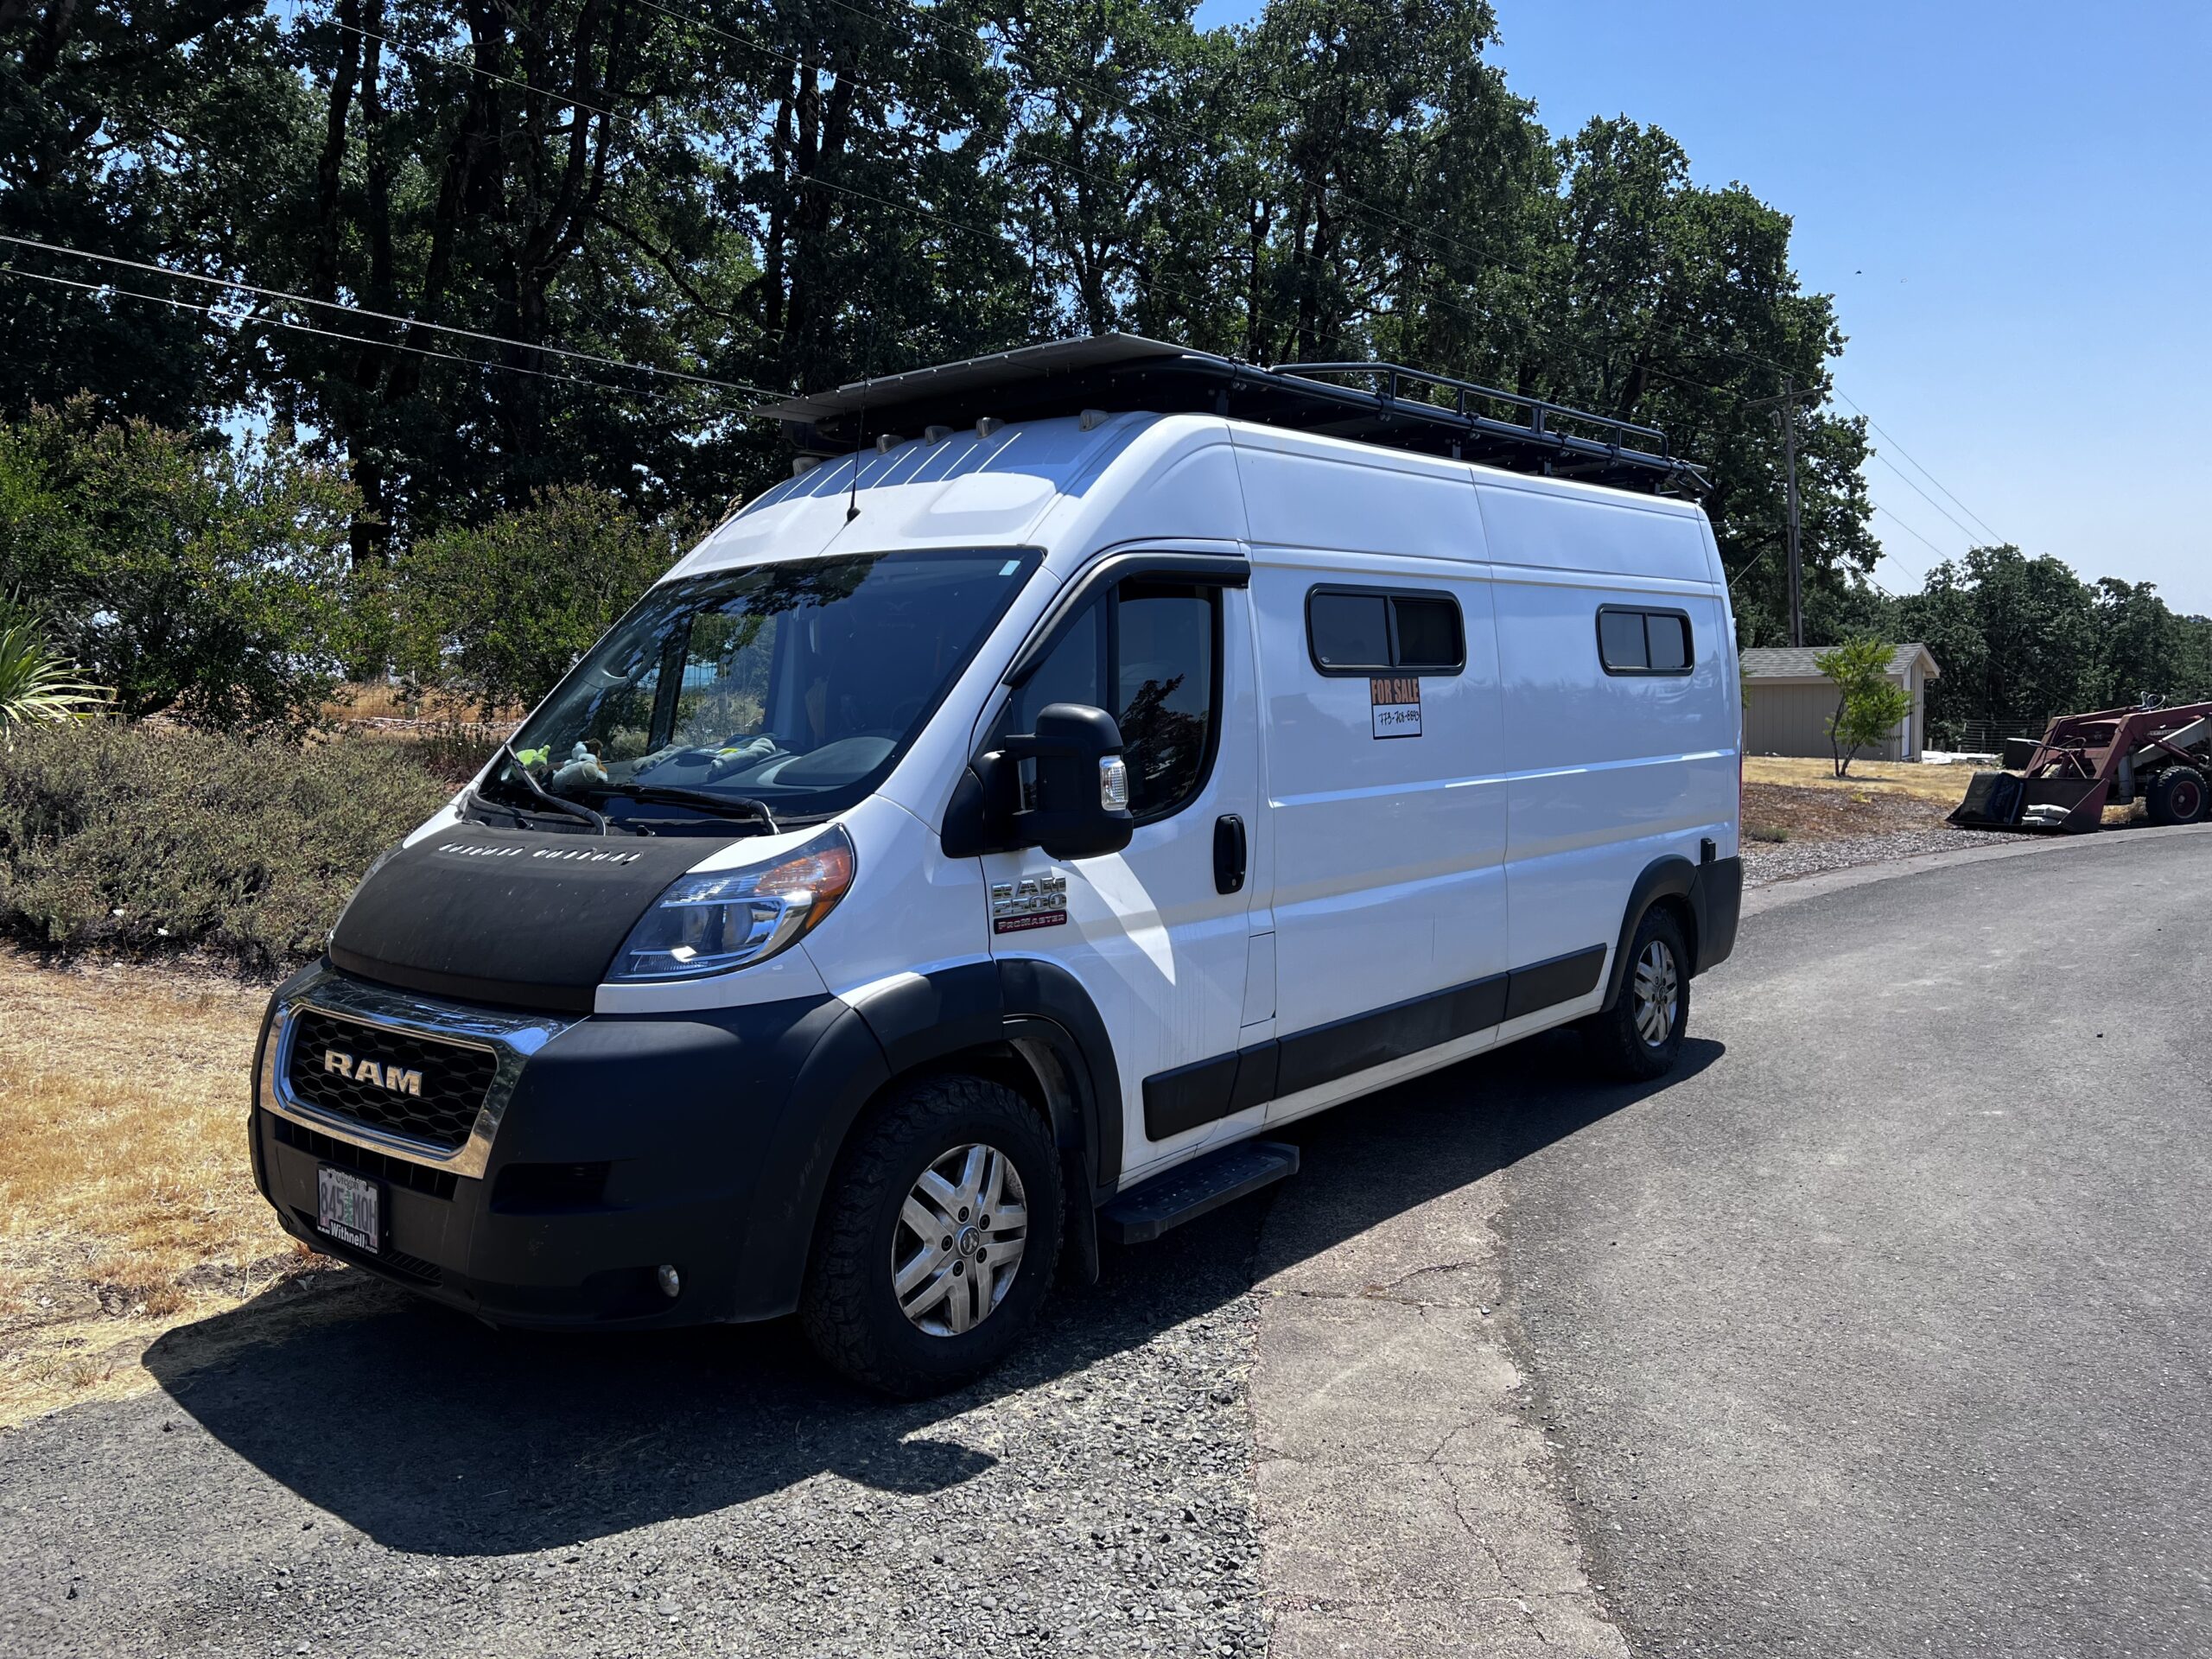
349 1207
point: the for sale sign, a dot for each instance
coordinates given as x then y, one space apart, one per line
1397 700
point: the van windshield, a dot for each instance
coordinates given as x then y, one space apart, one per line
793 686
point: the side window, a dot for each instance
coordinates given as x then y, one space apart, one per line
1352 631
1149 655
1164 654
1644 642
1348 631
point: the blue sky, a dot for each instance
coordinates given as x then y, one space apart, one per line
2012 205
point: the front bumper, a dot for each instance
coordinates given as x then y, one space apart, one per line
605 1146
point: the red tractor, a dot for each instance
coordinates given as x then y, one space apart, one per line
2084 763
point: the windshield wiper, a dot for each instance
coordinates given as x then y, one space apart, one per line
559 803
722 806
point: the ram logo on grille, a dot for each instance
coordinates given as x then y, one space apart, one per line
378 1076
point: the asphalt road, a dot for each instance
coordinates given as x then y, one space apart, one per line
1881 1328
1890 1331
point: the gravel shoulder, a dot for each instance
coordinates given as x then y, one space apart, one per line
361 1474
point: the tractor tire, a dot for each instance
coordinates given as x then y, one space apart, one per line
2178 795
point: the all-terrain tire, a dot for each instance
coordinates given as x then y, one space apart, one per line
850 1307
1654 1001
2178 795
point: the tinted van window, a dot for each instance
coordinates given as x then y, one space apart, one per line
1350 631
1153 650
1375 631
1428 633
1631 641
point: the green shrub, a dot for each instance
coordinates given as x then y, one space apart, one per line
141 839
208 584
498 611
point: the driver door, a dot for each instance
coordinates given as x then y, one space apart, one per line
1159 934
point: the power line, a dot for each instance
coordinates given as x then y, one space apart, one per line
97 288
1932 479
1910 531
1922 494
386 316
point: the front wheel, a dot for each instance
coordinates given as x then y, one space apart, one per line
2176 796
937 1238
1639 1037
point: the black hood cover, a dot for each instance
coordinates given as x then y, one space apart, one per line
526 917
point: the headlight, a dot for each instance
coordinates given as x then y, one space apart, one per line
711 922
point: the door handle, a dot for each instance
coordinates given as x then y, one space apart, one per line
1228 852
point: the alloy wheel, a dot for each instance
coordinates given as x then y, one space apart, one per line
958 1244
1657 992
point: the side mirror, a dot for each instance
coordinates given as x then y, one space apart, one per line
1082 791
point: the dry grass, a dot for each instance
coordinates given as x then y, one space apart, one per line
361 702
127 1205
1870 778
1791 798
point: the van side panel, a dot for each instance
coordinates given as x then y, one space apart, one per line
1606 773
1388 851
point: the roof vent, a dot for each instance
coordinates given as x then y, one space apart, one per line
802 465
936 433
1092 419
988 425
889 442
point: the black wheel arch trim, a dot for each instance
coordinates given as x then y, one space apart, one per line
932 1016
1712 889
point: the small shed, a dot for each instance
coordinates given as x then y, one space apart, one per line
1787 702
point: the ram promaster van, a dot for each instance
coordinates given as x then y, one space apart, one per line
1091 760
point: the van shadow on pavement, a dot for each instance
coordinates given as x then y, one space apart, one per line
433 1434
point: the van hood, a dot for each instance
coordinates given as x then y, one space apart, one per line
527 919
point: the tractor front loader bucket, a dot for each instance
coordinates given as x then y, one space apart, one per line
2004 800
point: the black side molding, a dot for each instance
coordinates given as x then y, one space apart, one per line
1325 1053
1207 1090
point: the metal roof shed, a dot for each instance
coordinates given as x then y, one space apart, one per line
1787 702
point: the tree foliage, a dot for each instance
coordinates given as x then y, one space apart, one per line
500 611
782 193
197 580
1869 703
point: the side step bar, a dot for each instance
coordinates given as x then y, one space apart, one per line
1191 1189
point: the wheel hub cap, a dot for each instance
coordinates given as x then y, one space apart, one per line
959 1241
1658 990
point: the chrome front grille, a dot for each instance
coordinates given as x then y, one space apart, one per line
422 1079
435 1087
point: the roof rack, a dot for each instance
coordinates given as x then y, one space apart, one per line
1398 408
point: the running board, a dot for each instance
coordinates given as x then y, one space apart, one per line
1191 1189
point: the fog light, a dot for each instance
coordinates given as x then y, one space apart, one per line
670 1281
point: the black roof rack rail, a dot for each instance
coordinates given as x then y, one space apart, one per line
1399 408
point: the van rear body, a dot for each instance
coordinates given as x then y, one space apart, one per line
1402 757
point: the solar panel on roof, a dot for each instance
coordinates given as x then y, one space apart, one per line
1382 404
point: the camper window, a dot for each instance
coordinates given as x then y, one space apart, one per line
1643 642
1352 631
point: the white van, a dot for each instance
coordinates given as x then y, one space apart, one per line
979 843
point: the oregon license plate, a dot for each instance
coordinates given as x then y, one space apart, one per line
349 1207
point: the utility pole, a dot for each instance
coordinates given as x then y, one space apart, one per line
1786 406
1789 473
